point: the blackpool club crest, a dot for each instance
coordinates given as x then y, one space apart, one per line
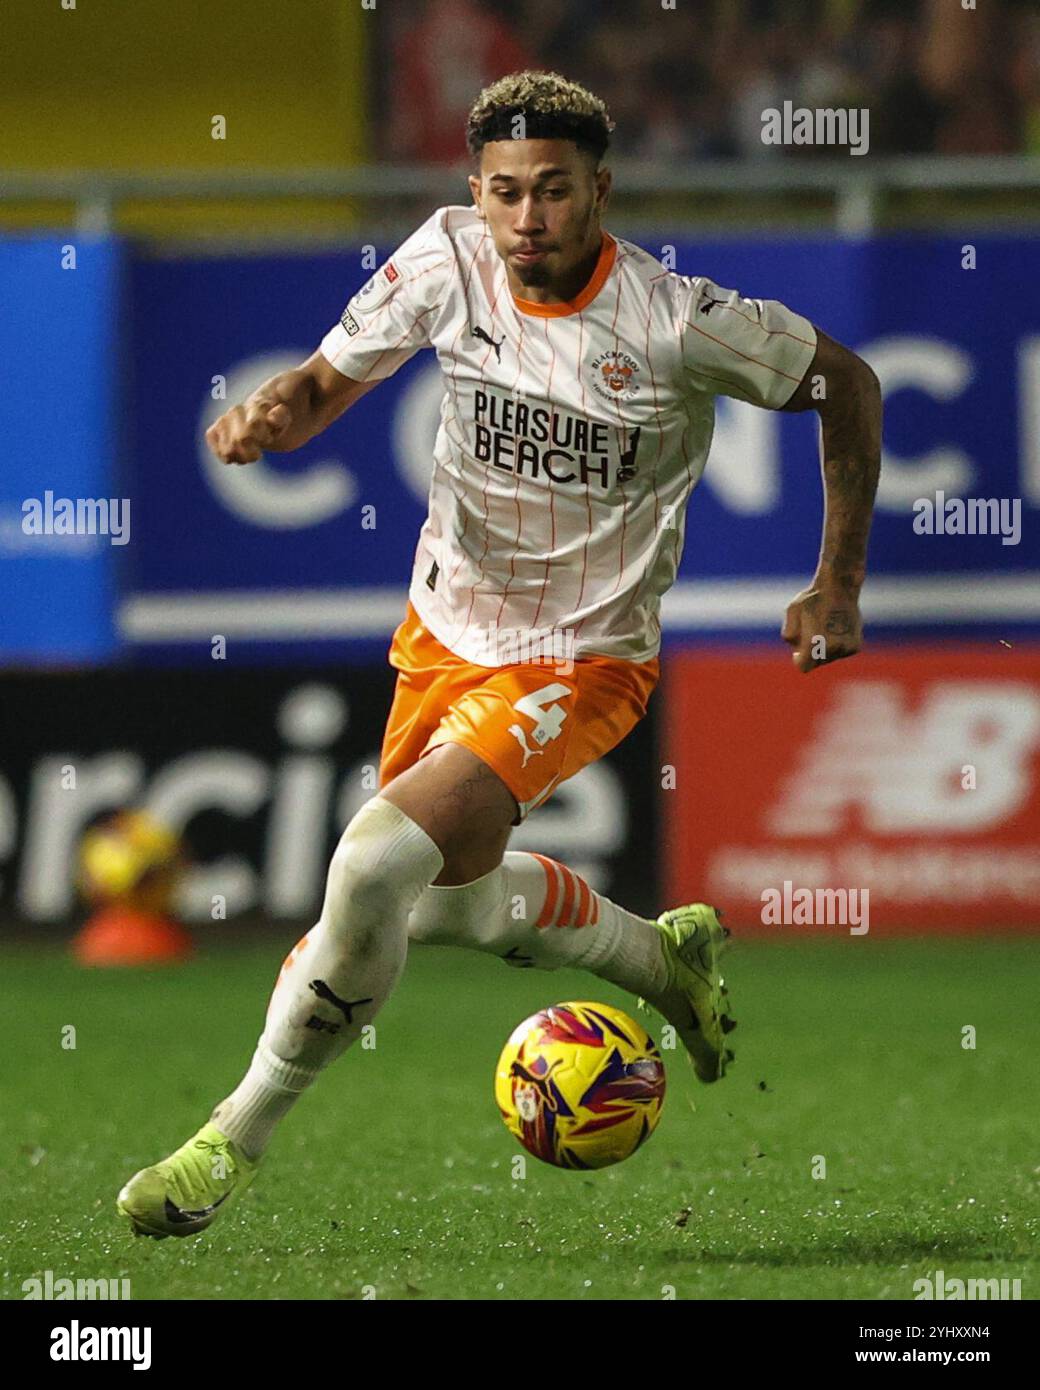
615 376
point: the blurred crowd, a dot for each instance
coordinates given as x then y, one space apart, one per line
692 82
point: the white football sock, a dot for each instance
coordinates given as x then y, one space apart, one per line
337 978
532 910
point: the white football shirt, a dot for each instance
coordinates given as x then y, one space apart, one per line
571 435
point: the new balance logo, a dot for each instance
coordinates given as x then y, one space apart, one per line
902 770
486 338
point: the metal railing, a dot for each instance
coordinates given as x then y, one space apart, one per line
852 196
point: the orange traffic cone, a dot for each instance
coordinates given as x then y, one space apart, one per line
123 935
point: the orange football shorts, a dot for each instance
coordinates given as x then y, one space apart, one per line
533 724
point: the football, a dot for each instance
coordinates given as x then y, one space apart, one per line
580 1085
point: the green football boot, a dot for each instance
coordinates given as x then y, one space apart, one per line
183 1194
695 1000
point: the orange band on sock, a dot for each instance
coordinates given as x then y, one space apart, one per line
584 903
552 890
570 888
287 962
578 906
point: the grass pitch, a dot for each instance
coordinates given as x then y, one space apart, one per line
394 1176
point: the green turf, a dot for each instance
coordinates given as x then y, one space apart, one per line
395 1173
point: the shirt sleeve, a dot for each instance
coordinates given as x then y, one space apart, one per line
391 316
755 350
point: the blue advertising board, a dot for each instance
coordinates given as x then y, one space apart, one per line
280 551
64 519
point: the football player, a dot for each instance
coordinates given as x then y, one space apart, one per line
580 377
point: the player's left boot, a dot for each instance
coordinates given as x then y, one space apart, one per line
695 1000
183 1194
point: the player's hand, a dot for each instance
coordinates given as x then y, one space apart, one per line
243 433
822 624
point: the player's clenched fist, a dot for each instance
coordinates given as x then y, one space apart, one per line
822 624
243 433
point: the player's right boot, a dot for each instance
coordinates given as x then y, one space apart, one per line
183 1194
695 1001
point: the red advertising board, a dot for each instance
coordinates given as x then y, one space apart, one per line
912 774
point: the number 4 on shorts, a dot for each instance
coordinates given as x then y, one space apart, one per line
548 718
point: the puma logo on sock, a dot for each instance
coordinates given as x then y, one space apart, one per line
346 1006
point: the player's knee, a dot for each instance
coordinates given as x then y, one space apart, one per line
368 868
355 887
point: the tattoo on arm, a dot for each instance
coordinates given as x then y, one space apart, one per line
850 413
851 465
